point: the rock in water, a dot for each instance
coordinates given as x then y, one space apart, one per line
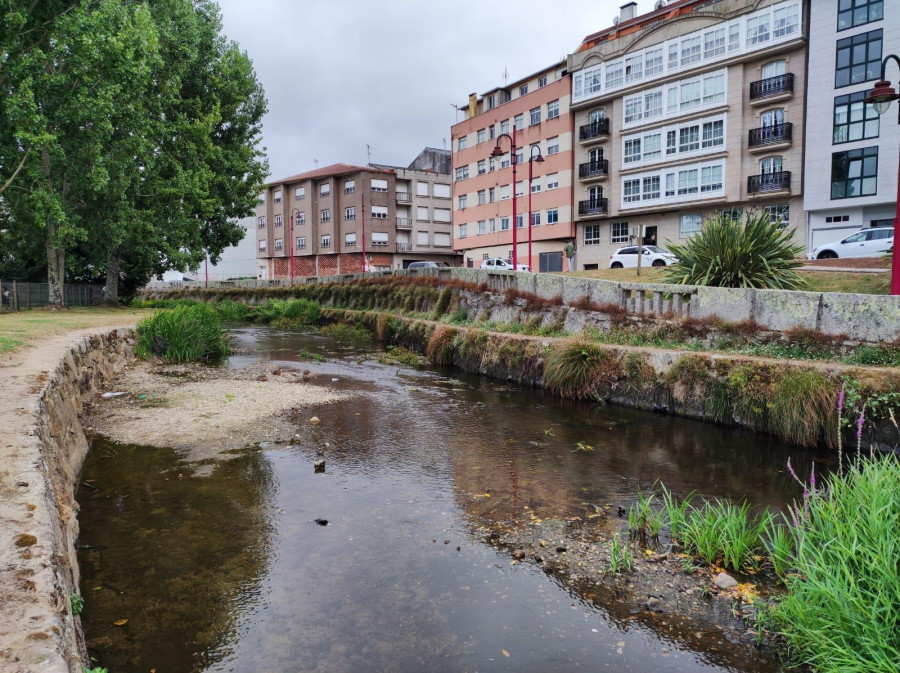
319 466
725 581
322 522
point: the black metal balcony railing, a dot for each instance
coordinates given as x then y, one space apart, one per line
593 206
769 182
593 169
772 86
404 197
768 135
404 247
404 223
594 129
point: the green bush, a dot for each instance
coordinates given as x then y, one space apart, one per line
751 253
191 333
232 311
287 312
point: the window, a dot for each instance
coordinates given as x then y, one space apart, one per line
772 117
687 182
592 80
301 242
350 239
462 173
381 185
618 232
770 165
325 189
631 191
535 116
689 95
651 188
713 134
552 181
520 156
463 201
504 161
857 12
785 21
379 212
592 234
504 224
262 222
690 50
670 184
262 245
837 218
504 192
779 213
853 119
276 196
535 186
299 193
671 142
774 69
758 29
462 143
520 221
482 135
492 101
690 225
482 197
463 230
482 166
349 213
614 74
379 238
442 239
349 186
542 81
553 109
520 188
325 215
519 122
632 151
711 178
422 238
504 126
523 89
673 56
326 241
854 173
734 36
634 108
492 164
553 216
422 213
492 194
441 190
535 219
421 189
552 146
653 104
653 61
714 89
858 59
441 214
653 146
482 226
262 197
689 138
301 218
634 68
714 43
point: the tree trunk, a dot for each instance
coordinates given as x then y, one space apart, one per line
56 269
111 291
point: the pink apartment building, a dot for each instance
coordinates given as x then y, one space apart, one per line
537 108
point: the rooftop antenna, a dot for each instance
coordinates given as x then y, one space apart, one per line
316 162
369 152
444 140
455 107
505 76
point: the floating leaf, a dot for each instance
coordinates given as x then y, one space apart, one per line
120 622
505 653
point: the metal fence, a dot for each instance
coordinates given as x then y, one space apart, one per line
17 296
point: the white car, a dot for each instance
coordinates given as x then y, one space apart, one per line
627 258
864 243
500 264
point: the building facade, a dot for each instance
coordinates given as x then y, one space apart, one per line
339 212
851 153
535 111
693 108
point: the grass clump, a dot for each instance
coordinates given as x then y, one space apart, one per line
440 346
288 312
802 408
580 370
720 529
189 333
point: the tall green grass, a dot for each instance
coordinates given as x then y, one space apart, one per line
580 370
186 333
287 312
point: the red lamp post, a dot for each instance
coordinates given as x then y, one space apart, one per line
295 210
531 159
499 153
881 98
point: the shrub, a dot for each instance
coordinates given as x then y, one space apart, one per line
750 253
191 333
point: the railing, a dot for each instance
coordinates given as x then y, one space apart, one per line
772 86
404 247
593 207
593 169
594 129
404 197
768 135
404 223
17 296
769 182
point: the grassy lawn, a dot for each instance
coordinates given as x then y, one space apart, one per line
27 327
819 281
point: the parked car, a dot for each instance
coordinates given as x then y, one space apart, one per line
653 256
428 265
500 264
863 243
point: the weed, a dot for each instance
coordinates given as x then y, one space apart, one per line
676 512
621 558
441 345
188 333
77 603
581 370
779 545
399 355
287 312
801 407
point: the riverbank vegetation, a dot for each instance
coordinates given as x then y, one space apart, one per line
18 330
191 333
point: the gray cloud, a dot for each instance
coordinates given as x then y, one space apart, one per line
343 73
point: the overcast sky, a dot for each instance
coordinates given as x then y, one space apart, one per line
339 74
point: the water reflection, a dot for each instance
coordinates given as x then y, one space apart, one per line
230 572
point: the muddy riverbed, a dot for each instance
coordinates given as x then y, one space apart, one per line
459 523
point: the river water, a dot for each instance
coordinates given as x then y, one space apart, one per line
257 563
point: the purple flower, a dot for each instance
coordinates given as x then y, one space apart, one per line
859 423
840 404
812 478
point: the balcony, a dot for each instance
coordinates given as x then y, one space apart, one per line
593 207
771 137
594 132
404 223
404 197
404 247
593 170
771 89
768 183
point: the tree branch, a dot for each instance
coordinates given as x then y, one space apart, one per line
15 172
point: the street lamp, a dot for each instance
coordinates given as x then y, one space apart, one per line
499 153
295 210
531 159
881 98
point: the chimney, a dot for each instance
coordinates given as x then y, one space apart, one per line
627 11
473 105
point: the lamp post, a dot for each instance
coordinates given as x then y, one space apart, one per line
531 159
881 98
499 153
295 210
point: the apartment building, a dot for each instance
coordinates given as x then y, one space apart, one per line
692 108
331 209
851 152
535 112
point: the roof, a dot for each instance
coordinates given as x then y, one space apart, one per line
327 171
669 11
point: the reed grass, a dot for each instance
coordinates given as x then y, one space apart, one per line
187 333
580 370
287 312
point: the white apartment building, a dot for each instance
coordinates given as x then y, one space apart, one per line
851 152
